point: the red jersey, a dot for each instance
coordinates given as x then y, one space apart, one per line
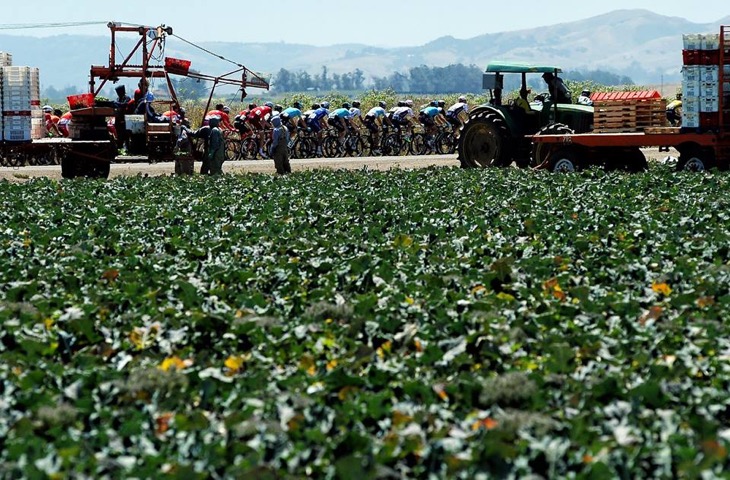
223 116
260 113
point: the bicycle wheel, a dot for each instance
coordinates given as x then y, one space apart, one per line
446 143
418 144
249 149
331 147
355 146
233 149
391 145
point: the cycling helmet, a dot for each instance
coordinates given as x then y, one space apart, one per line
382 105
441 103
269 104
409 103
433 103
219 106
251 106
462 99
47 108
587 93
226 109
401 103
346 105
278 107
356 104
182 111
297 105
315 106
325 104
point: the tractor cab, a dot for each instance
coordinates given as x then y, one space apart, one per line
499 131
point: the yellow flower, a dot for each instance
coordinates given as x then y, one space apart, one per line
176 363
661 288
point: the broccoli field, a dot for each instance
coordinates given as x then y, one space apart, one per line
436 323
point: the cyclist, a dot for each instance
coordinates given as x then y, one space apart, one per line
458 114
431 118
221 112
356 115
374 122
340 119
317 121
240 122
403 117
276 112
259 118
585 98
292 119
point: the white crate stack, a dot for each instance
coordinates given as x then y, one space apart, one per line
700 88
37 119
6 60
16 103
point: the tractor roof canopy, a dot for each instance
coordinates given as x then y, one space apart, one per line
516 67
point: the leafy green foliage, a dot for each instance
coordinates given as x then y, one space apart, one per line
431 324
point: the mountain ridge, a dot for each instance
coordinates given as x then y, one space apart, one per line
637 43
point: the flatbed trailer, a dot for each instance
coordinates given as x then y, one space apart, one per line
697 151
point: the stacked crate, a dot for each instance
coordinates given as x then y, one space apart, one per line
6 60
616 112
16 103
37 119
701 76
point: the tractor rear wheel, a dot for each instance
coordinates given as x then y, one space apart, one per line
484 142
541 151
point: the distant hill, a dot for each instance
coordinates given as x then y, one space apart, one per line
637 43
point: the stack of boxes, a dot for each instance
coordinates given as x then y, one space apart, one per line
701 77
15 93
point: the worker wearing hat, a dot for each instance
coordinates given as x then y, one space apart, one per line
522 102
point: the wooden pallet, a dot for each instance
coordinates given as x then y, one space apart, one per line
629 115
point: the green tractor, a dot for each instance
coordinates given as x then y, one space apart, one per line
498 134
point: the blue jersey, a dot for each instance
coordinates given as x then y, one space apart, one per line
319 114
292 112
430 111
341 113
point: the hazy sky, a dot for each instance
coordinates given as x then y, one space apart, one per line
326 22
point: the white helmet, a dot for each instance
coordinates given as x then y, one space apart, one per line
409 103
462 99
47 108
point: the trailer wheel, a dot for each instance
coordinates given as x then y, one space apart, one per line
541 151
484 142
633 161
564 160
694 160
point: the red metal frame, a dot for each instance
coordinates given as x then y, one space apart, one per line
114 71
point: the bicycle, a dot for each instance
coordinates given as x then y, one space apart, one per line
304 145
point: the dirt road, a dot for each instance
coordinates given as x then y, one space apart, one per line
20 174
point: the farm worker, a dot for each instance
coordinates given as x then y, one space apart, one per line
123 105
216 147
52 118
674 111
63 123
203 133
585 98
558 91
145 108
522 102
280 147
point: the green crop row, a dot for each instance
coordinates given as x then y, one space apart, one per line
437 323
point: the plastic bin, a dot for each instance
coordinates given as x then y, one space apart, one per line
83 100
176 65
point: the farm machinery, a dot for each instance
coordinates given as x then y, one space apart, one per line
90 149
565 137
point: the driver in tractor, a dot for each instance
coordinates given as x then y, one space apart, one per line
558 91
521 101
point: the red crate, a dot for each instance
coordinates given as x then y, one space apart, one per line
176 65
83 100
701 57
